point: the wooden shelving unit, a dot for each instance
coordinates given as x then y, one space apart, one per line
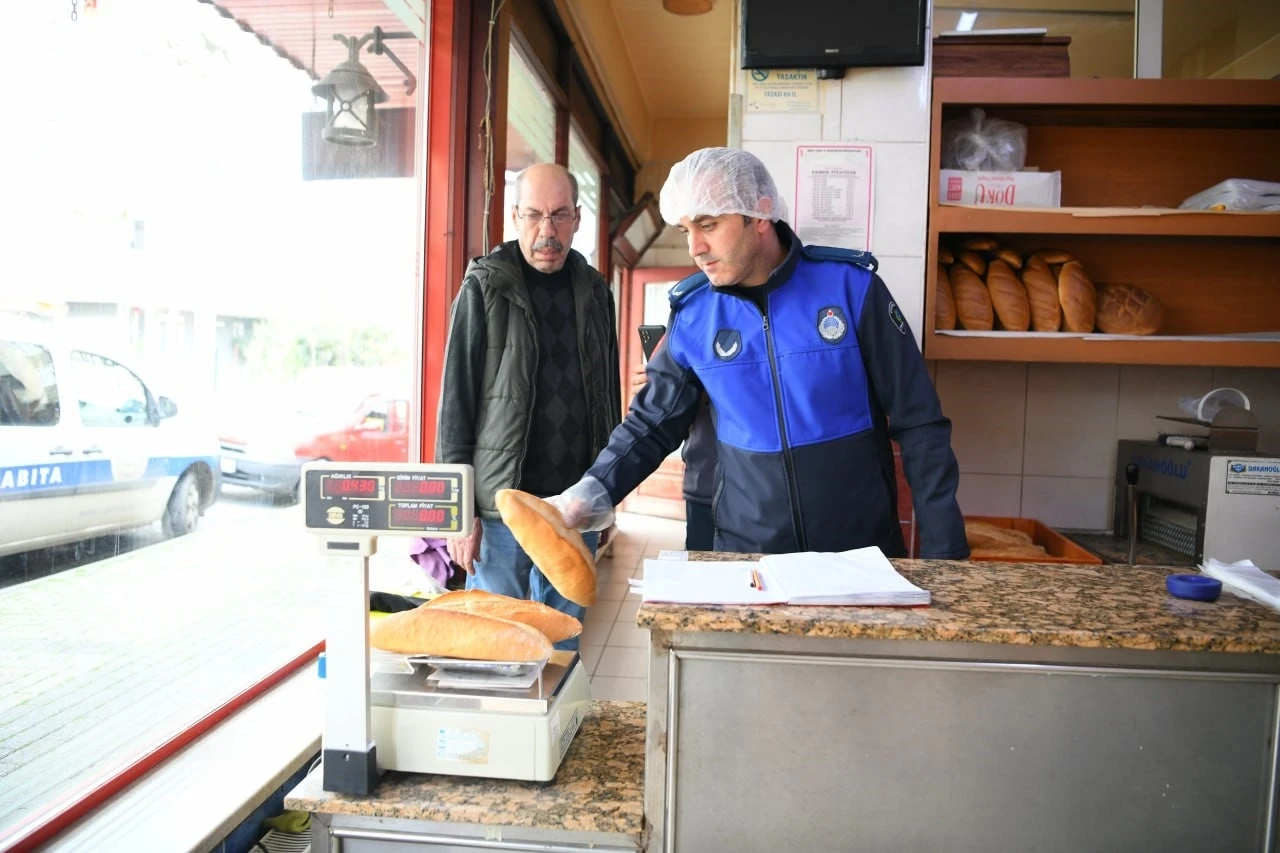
1129 152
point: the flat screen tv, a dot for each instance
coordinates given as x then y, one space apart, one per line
832 33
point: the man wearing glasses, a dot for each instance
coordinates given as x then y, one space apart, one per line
530 391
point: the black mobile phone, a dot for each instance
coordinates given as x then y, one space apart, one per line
649 337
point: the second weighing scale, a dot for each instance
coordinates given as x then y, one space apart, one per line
492 719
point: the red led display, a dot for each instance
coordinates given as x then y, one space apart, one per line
404 488
349 487
414 517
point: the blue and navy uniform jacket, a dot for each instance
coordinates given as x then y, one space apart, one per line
805 398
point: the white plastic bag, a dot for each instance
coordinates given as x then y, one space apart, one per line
1236 194
978 143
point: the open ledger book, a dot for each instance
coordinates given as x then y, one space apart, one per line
863 576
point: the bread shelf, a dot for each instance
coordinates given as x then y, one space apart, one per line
961 219
1152 350
1129 152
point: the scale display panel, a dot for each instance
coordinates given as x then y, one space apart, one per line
373 498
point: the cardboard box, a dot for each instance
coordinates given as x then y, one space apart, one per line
1000 189
1059 548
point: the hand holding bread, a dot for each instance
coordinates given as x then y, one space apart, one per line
556 549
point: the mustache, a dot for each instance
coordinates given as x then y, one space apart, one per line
548 243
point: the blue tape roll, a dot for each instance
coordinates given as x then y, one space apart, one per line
1194 587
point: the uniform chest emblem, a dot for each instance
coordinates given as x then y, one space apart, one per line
728 344
832 324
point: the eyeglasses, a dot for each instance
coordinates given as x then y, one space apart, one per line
535 218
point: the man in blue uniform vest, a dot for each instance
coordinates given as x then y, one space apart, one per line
811 370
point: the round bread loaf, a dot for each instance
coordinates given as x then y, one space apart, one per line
1008 297
1042 295
1077 298
973 303
944 313
558 551
555 625
442 632
1124 309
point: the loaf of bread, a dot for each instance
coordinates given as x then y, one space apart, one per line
444 632
972 260
981 244
1127 310
1052 257
1008 552
984 534
555 625
1009 256
558 551
1008 297
973 303
1042 295
944 255
944 307
1077 297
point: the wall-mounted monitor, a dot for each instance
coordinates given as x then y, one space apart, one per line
833 33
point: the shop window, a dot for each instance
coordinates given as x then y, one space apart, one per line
531 129
274 291
584 168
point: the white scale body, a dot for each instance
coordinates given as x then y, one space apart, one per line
390 717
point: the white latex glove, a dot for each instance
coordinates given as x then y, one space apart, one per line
585 505
463 550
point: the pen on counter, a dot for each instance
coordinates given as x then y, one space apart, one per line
756 582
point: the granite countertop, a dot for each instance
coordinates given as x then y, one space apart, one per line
1121 607
598 788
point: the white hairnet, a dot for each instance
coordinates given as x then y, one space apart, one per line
716 181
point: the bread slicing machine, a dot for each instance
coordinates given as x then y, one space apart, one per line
491 719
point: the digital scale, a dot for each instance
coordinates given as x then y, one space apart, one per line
492 719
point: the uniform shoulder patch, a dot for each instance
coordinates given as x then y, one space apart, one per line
895 315
686 287
865 260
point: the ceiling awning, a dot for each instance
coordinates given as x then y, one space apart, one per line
301 32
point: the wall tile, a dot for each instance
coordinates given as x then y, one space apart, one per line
987 406
886 104
1147 391
898 215
1082 503
1262 387
990 494
905 279
773 126
1071 420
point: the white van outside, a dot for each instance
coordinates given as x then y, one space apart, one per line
87 449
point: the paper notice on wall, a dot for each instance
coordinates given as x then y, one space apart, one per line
782 90
833 195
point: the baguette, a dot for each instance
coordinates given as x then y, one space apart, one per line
973 303
443 632
558 551
981 244
1009 256
1042 295
984 534
972 260
555 625
945 256
944 314
1008 297
1078 298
